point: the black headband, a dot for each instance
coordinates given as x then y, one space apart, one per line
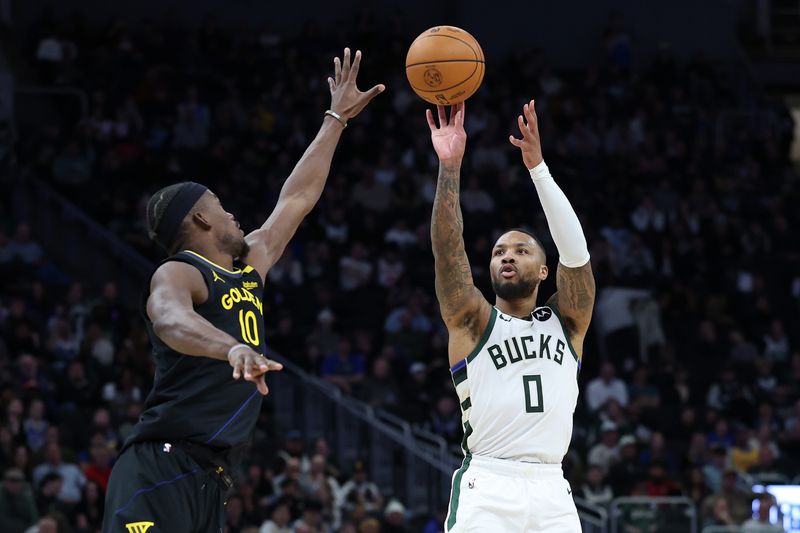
176 210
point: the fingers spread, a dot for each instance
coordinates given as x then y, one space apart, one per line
442 116
356 64
460 114
516 142
262 385
346 65
273 366
530 114
375 91
522 127
337 70
431 123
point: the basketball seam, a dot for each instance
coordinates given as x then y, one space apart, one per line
450 37
446 61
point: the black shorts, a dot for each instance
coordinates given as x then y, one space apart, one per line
156 487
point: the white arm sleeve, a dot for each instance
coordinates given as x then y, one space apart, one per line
565 227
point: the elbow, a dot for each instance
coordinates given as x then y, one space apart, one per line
166 326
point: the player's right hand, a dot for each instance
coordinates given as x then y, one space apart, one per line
251 365
346 99
449 138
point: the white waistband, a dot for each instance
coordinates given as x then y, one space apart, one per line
506 467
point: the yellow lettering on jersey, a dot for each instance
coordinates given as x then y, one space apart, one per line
217 277
234 296
250 284
139 527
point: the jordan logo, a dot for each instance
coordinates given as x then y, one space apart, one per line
139 527
167 447
217 277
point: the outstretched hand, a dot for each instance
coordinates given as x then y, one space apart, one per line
346 99
530 144
449 138
251 365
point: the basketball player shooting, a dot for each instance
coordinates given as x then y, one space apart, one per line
205 320
514 364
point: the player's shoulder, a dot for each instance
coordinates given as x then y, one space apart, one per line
176 273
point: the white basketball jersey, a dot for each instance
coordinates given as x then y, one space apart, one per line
518 389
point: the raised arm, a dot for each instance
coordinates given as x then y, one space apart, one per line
464 309
574 297
174 290
303 187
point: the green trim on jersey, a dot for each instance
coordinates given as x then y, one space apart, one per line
460 375
486 334
466 404
451 520
566 335
467 433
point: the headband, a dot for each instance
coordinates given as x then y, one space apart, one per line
176 211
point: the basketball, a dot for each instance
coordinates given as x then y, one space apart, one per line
445 65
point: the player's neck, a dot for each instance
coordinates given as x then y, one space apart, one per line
519 308
212 254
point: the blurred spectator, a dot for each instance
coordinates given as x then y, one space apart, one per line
596 490
23 248
380 389
624 474
446 419
738 503
605 387
279 519
713 470
394 518
17 507
717 513
762 524
73 478
344 367
605 453
359 491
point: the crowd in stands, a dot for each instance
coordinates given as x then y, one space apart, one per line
690 383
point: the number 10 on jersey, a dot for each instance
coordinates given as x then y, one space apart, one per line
249 327
533 393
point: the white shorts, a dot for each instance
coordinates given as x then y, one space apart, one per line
494 495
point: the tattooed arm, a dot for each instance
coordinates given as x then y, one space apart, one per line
464 309
574 298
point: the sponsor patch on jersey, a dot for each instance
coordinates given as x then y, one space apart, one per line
542 314
250 284
139 527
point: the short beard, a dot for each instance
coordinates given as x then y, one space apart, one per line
237 248
515 290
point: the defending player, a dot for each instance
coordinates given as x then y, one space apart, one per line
514 365
204 316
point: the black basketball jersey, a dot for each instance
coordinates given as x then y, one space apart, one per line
195 398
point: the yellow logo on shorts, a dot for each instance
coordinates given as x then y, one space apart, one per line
139 527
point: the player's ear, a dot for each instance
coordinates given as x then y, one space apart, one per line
543 271
199 218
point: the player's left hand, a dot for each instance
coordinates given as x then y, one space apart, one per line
253 366
530 144
346 99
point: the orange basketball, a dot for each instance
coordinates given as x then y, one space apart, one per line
445 65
